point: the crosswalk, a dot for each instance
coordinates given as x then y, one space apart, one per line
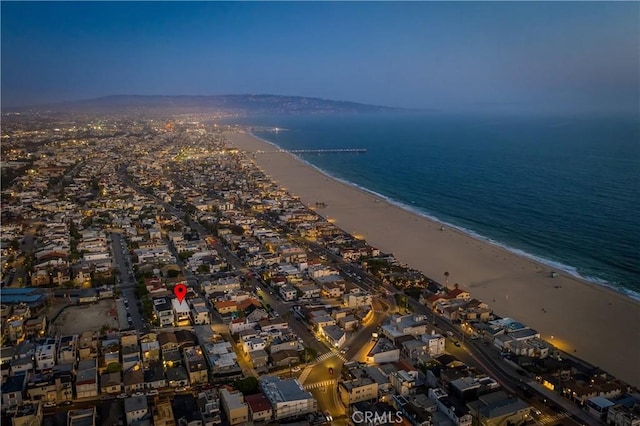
325 356
547 420
322 384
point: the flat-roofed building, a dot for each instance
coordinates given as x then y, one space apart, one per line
287 397
46 355
358 390
182 312
435 343
83 417
135 408
383 351
163 414
28 414
196 365
621 415
402 325
200 315
498 408
259 407
163 311
234 406
67 349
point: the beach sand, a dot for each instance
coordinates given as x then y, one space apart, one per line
592 322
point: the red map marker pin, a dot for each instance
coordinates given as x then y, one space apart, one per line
180 291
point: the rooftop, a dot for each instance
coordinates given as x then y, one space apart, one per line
278 390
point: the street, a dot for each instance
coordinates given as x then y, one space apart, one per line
126 285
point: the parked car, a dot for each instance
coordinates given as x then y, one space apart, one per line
152 392
65 403
49 404
123 396
138 394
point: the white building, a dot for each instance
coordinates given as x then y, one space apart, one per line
435 343
235 407
355 300
288 292
46 355
200 315
287 397
182 312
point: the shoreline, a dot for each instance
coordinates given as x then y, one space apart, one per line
553 265
589 320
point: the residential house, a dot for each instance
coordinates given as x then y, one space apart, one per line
285 358
133 379
234 406
435 343
288 292
110 383
136 409
334 335
383 351
357 390
287 397
87 379
404 382
498 408
196 365
162 414
154 376
259 407
13 390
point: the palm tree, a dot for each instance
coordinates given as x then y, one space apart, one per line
446 279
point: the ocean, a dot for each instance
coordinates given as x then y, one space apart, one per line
563 191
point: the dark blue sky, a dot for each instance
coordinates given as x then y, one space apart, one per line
539 55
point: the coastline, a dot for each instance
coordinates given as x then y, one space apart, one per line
591 321
553 265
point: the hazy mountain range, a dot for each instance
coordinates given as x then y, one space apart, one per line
242 104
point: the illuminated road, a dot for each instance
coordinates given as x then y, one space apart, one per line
322 384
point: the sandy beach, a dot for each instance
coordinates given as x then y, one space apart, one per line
590 321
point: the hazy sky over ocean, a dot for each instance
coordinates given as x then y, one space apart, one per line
529 56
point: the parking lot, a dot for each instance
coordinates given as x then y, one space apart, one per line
90 317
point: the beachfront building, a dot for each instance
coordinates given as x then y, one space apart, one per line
497 408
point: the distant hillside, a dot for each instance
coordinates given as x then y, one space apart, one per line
247 104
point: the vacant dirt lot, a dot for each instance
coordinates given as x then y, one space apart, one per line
76 319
